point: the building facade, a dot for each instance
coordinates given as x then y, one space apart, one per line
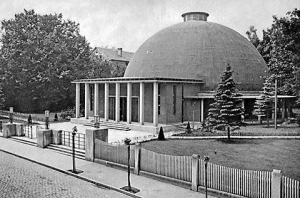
172 76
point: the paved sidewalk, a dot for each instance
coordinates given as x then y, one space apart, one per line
110 177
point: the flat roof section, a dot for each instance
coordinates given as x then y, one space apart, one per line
137 80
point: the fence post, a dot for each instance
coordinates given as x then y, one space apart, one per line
137 154
195 172
57 137
276 184
90 136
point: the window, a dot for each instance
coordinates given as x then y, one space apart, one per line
174 99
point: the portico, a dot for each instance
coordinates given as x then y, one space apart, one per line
134 100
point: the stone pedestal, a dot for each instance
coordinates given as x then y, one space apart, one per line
57 137
19 130
44 137
8 130
90 136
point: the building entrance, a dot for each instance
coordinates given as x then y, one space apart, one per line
112 108
123 109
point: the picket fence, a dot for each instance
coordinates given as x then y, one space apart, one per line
290 188
245 183
117 154
177 167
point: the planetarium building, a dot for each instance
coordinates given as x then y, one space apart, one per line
172 77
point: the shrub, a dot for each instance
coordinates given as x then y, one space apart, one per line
188 128
55 117
67 114
29 119
161 135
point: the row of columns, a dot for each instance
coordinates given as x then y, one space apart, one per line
117 102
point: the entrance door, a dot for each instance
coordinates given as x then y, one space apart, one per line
112 107
123 109
135 110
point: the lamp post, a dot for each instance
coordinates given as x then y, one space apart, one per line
127 142
206 159
47 112
11 113
73 148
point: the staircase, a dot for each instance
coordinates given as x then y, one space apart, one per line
80 154
111 125
24 140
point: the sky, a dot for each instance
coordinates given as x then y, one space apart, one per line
129 23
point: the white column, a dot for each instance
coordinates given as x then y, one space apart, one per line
117 102
142 92
155 104
202 110
129 102
106 101
96 99
243 106
87 100
77 100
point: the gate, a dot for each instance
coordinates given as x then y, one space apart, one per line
28 131
79 139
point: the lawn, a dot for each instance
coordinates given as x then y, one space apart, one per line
251 154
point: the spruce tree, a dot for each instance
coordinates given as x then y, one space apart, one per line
263 105
161 135
227 110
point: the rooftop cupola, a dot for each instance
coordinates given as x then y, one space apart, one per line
195 16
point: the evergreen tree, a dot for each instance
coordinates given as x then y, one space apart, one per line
226 111
263 105
161 135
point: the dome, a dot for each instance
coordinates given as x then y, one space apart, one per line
197 49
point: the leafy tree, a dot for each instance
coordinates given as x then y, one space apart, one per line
264 104
40 56
252 36
226 111
1 96
280 48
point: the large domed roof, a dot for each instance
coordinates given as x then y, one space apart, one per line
197 49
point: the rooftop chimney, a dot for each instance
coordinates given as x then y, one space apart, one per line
119 51
195 16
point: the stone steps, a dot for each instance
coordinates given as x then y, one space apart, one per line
111 125
80 154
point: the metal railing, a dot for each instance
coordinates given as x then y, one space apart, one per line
79 139
28 131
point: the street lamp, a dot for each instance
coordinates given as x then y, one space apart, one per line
129 188
206 160
47 112
127 142
73 147
73 170
11 113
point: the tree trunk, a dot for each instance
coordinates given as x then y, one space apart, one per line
268 119
228 132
